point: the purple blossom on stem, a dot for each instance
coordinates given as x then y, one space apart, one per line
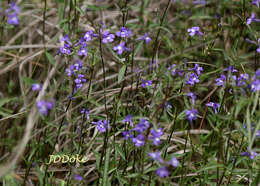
69 70
252 19
156 156
168 105
173 69
65 45
255 85
255 2
12 14
215 106
221 81
251 154
44 106
77 177
197 68
192 96
142 126
128 119
162 172
194 30
155 136
199 2
241 80
191 114
83 51
89 35
127 135
146 83
120 48
102 126
107 37
124 32
145 37
192 79
79 80
139 140
86 111
174 162
36 86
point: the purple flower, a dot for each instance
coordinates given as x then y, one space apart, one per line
168 105
257 73
199 2
214 106
192 79
191 114
102 126
146 83
156 156
252 19
145 37
79 80
155 136
194 30
107 37
12 14
13 19
241 79
162 172
65 45
174 162
255 2
70 70
89 35
77 177
124 32
44 107
255 85
192 96
13 9
221 81
86 111
173 69
142 126
127 134
139 140
197 68
83 51
251 154
120 48
77 66
230 70
128 119
36 86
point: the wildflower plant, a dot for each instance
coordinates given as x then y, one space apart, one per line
144 96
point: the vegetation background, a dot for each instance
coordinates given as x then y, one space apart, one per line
199 143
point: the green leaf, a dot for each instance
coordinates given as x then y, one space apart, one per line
28 80
120 151
106 168
121 73
50 58
80 10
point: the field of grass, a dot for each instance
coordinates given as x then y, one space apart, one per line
128 92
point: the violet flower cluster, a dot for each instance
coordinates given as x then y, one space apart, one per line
44 106
74 70
141 129
242 81
102 126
